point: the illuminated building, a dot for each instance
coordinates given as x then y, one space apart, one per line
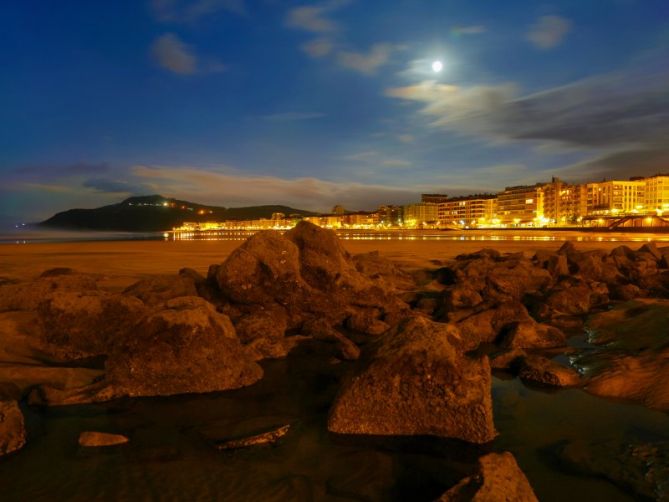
521 205
469 211
564 203
420 214
616 197
656 194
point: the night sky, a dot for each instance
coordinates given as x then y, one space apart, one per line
241 102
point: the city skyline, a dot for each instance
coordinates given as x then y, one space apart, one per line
324 102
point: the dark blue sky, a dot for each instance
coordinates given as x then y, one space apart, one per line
239 102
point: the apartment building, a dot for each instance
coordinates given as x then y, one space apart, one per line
469 211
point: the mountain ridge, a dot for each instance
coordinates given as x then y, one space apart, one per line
155 213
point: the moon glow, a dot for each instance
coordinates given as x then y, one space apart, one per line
437 66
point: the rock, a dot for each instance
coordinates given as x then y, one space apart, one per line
567 300
96 439
541 370
186 347
532 335
29 295
485 326
319 329
512 279
499 479
632 326
567 249
651 249
367 321
265 269
12 428
83 324
508 359
312 277
461 296
557 265
488 253
643 378
155 291
264 438
268 322
625 292
383 271
418 383
641 468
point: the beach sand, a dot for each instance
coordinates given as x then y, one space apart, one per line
128 260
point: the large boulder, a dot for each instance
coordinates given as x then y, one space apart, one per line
83 324
418 383
29 295
485 326
265 269
308 274
530 334
12 428
498 479
156 290
186 347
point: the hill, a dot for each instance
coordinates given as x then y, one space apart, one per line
154 213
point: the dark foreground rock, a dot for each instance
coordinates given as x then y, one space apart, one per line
264 438
641 468
12 429
418 383
186 347
499 479
97 439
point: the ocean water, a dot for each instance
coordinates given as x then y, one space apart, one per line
171 454
37 235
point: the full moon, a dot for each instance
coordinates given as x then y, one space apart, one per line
437 66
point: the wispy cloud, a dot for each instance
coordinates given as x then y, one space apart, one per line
171 53
624 116
476 29
238 189
314 18
167 11
374 158
318 47
292 116
366 63
548 31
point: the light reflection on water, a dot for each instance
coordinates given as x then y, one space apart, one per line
48 236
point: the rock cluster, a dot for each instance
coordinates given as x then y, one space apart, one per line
12 429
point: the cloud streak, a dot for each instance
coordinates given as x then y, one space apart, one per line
548 32
366 63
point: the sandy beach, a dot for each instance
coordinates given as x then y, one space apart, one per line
132 259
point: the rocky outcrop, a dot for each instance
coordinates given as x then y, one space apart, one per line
96 439
418 383
308 276
498 479
186 347
12 428
156 290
